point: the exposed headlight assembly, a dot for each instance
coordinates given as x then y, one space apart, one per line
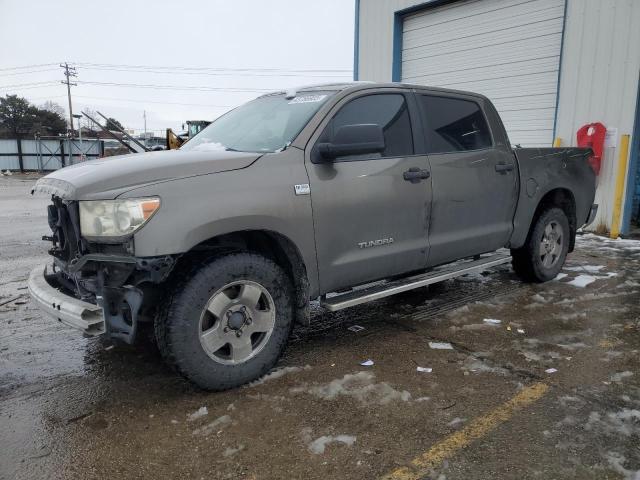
115 218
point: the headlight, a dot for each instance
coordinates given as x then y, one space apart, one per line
115 218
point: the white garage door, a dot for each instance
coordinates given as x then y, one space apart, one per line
508 50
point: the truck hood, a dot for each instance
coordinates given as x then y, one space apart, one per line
109 177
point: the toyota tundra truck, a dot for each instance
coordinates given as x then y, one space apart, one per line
295 196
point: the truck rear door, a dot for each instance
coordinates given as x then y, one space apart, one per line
370 222
474 183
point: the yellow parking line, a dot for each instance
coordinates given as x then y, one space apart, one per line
421 465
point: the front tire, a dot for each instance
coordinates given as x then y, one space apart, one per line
541 258
227 321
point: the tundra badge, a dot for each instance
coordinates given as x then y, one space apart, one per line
376 243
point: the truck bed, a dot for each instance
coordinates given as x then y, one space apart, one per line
545 171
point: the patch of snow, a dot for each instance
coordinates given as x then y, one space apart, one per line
582 281
474 365
572 346
618 377
229 451
625 422
456 422
539 298
531 356
531 306
595 296
585 268
212 427
423 399
560 276
360 386
209 147
473 326
440 346
492 321
567 399
367 363
201 412
319 444
616 462
275 374
456 312
570 316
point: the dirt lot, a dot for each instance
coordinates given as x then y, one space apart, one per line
492 407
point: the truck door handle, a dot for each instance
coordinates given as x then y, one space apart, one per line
504 167
415 174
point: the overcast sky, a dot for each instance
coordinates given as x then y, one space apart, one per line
197 46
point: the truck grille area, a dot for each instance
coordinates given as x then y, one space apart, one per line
64 222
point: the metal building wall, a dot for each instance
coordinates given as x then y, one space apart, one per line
375 38
599 80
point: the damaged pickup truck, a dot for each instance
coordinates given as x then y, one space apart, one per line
295 195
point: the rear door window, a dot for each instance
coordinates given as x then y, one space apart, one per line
453 124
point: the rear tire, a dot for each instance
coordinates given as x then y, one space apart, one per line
541 258
227 321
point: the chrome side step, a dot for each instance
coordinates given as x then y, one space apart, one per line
356 297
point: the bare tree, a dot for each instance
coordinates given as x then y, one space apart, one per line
54 107
85 122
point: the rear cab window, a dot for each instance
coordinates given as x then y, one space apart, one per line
453 124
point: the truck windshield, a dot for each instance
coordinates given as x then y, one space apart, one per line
266 124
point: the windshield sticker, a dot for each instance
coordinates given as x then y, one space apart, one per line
308 99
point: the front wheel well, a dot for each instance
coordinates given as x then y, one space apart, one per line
269 244
563 199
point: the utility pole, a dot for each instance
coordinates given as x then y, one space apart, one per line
69 72
145 128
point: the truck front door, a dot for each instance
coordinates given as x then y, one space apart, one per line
370 222
474 183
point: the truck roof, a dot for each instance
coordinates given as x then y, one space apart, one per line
365 85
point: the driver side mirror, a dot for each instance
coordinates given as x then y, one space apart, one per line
353 140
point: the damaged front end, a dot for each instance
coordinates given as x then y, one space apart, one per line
122 289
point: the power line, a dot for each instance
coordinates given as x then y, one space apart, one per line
36 86
220 73
155 101
130 100
202 88
31 84
29 71
27 66
217 69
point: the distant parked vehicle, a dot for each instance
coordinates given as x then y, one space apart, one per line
293 196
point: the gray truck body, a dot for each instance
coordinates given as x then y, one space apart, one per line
335 224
